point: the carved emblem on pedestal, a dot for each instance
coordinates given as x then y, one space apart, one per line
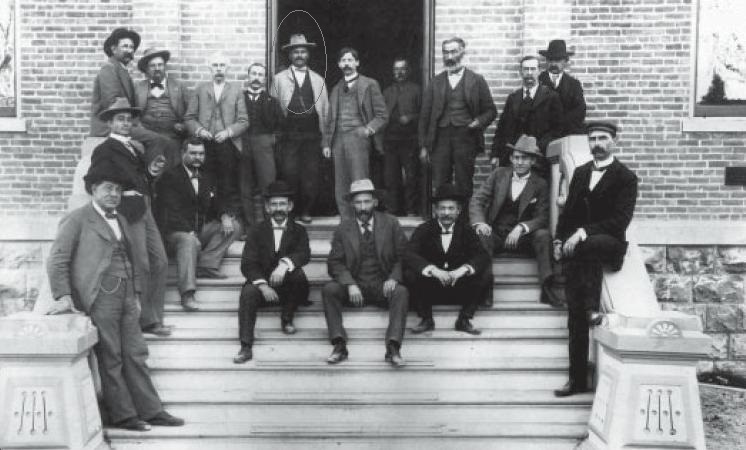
664 329
660 414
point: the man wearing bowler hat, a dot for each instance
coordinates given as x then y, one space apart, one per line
305 105
275 252
163 101
591 235
569 89
365 263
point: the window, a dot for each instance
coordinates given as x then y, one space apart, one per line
9 69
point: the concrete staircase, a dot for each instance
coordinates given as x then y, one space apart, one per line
457 391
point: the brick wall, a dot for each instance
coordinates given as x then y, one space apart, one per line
633 57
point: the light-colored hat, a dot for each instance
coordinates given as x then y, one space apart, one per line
121 104
526 144
360 186
149 54
298 40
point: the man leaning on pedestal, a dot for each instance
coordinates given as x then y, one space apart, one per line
90 269
591 235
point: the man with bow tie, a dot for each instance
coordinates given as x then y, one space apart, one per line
534 110
356 120
457 107
510 212
591 235
274 254
569 88
445 262
196 222
163 101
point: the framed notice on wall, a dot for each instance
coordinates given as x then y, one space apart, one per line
8 60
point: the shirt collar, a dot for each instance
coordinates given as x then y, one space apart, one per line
123 139
559 77
188 170
517 177
351 78
253 92
531 91
444 229
275 224
163 82
360 224
605 163
99 209
296 69
456 72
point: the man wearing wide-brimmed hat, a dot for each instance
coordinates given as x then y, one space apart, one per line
445 262
163 100
510 212
128 156
91 268
569 89
365 263
273 257
305 104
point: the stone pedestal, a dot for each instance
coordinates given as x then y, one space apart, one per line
47 396
647 396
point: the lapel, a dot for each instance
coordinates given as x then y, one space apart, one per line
541 94
441 89
284 240
173 93
353 236
379 234
362 85
142 93
125 80
334 100
186 182
606 180
118 146
469 81
515 99
99 224
502 192
527 194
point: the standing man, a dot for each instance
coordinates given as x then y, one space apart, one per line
445 262
273 258
591 234
113 81
258 155
358 113
90 269
217 115
403 100
365 263
510 211
194 220
569 89
163 101
533 110
456 108
128 157
305 105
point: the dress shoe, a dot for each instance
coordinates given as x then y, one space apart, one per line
188 302
339 354
424 325
568 389
133 424
158 329
305 218
393 356
466 326
487 302
243 355
164 419
594 318
547 294
306 302
205 272
288 328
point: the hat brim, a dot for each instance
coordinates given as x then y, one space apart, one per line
458 198
535 152
106 115
377 193
547 55
120 34
292 46
142 64
287 194
601 127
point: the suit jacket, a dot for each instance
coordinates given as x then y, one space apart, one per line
407 99
178 95
608 208
259 258
543 122
425 248
370 103
112 81
231 105
478 100
81 253
283 87
533 203
573 102
343 262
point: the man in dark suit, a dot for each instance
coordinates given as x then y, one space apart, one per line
534 110
163 101
510 211
569 89
91 268
445 262
128 156
197 224
113 81
273 258
591 234
456 108
365 263
356 120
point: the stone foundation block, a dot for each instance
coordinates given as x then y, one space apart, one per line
724 318
731 367
733 259
672 287
719 288
719 345
738 346
654 257
692 260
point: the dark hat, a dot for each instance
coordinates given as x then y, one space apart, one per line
526 144
149 54
449 192
601 126
298 40
121 104
105 170
121 33
556 50
360 186
278 189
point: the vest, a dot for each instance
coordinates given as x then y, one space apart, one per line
217 123
120 264
507 217
159 115
370 269
456 112
302 116
349 116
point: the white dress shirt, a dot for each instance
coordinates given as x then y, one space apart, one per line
124 140
300 74
531 92
113 223
278 229
597 174
360 225
350 80
555 78
218 89
446 236
158 92
517 184
455 77
195 181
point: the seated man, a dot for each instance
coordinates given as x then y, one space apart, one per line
198 224
272 261
91 269
365 266
510 211
445 262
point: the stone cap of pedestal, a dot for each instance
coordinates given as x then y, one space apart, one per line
26 334
668 335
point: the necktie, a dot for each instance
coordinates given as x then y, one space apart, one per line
527 95
156 85
366 230
278 228
446 231
348 83
110 214
599 169
196 175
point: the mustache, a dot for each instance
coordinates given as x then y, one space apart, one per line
597 148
